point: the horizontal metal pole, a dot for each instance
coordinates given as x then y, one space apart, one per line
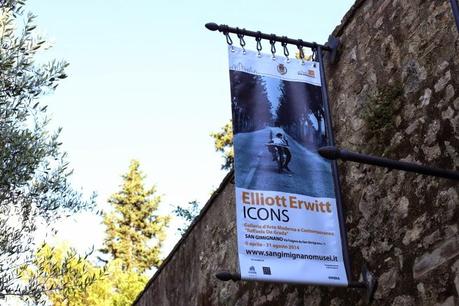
357 285
335 153
283 39
235 277
455 7
226 276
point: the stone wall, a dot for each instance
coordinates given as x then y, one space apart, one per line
395 93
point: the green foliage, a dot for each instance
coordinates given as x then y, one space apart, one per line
62 274
70 279
134 236
127 285
223 141
379 116
187 214
305 57
135 231
34 184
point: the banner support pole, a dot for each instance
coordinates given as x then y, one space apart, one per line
368 281
212 26
334 153
455 8
336 181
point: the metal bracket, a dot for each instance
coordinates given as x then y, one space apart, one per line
212 26
455 8
368 281
333 43
226 276
333 153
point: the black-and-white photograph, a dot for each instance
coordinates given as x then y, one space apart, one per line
278 126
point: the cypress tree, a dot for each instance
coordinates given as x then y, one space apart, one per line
135 232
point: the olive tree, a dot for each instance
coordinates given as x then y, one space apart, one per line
34 173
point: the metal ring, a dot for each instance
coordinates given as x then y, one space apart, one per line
300 48
286 52
241 40
314 51
273 47
258 39
229 41
315 54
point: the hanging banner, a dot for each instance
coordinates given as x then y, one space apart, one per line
287 220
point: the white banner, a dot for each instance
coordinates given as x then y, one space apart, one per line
287 220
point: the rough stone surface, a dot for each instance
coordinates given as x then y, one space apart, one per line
455 269
386 282
403 300
403 226
403 207
428 262
443 81
448 302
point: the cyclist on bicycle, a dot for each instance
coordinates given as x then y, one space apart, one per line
282 145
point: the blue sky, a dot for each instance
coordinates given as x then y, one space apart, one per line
148 81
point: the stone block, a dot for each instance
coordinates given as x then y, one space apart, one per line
425 98
430 261
455 269
386 282
441 83
451 301
403 300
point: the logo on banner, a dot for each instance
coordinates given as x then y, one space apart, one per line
281 69
310 73
266 270
252 270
